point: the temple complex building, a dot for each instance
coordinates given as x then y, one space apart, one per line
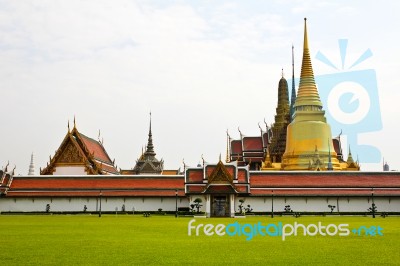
293 162
80 155
147 162
300 138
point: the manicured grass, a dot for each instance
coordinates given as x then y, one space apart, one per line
136 240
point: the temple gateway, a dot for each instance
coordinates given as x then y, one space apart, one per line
294 164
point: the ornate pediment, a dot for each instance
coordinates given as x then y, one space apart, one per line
220 175
70 155
78 149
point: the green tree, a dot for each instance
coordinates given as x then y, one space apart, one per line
197 204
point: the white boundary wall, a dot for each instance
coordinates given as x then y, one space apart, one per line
77 204
313 204
320 204
258 204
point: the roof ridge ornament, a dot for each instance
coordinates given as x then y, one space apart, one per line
240 132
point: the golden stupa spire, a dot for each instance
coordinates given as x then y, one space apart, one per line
307 94
308 131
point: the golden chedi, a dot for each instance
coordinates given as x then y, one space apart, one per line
309 139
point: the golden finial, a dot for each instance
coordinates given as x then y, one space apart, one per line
305 34
74 122
282 73
68 125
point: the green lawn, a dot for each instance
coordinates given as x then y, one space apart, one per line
134 240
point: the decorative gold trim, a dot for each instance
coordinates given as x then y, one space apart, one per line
220 175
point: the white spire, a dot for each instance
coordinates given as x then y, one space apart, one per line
31 167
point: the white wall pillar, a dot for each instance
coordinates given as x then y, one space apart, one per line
232 204
208 205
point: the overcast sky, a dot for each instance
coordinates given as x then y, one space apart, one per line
200 67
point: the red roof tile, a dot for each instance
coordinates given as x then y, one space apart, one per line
236 147
96 183
252 144
325 179
195 189
242 176
336 146
170 172
96 193
194 175
109 169
325 192
220 189
254 159
96 149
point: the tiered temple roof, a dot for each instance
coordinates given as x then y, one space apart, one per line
252 150
147 162
248 150
217 178
78 150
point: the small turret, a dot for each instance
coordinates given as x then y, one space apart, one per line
148 163
351 165
31 166
386 167
282 120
